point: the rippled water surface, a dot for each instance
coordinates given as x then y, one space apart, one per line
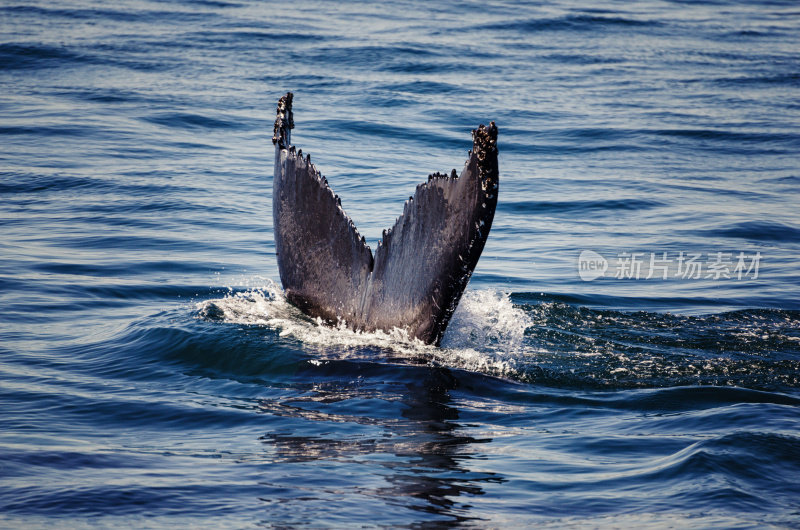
152 374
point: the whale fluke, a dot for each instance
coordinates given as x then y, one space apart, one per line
422 264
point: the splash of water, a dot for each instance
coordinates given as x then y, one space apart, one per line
485 335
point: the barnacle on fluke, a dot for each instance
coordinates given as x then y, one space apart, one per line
422 264
284 122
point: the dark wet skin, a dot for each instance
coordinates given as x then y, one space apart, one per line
422 264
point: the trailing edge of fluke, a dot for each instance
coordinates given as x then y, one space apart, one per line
422 264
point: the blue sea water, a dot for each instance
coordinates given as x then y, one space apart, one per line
152 375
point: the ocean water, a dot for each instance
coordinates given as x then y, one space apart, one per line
627 353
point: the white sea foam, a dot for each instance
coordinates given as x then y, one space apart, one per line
485 334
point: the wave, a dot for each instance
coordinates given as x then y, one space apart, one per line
759 231
485 332
15 56
522 338
574 22
584 207
185 120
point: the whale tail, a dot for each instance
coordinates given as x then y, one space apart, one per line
422 264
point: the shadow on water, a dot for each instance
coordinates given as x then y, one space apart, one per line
422 455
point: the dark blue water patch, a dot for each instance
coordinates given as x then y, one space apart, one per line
17 56
213 3
583 207
138 56
697 398
152 349
14 56
788 180
782 318
743 194
736 35
580 59
117 216
128 410
570 23
119 52
17 183
107 95
30 312
766 332
221 4
757 231
727 3
49 131
45 185
119 268
21 463
91 223
791 79
155 291
69 293
237 39
749 81
186 120
608 21
248 354
87 501
677 304
116 15
94 223
752 62
607 375
791 140
419 87
702 2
